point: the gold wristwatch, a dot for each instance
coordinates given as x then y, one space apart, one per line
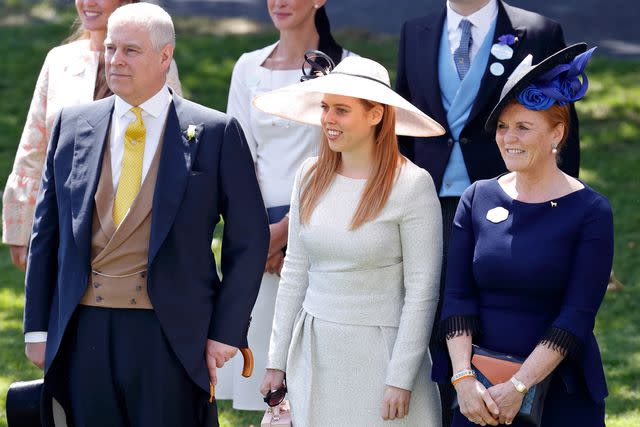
519 385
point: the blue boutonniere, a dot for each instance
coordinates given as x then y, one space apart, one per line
507 39
502 51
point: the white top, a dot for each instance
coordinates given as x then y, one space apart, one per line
154 116
384 273
481 21
278 146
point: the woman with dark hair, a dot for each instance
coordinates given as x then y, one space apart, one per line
72 74
359 285
278 147
529 261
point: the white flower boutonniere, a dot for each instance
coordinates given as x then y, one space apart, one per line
191 132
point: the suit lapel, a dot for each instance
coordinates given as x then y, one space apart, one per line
428 61
178 152
490 83
88 148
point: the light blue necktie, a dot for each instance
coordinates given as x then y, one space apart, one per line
461 55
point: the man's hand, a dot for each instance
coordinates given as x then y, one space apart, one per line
19 256
35 353
395 403
217 355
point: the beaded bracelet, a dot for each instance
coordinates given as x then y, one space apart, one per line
460 375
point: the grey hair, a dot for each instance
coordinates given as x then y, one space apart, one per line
152 17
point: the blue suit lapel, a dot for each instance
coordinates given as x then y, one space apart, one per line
178 153
91 135
490 83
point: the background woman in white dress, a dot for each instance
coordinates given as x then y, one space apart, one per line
278 147
359 286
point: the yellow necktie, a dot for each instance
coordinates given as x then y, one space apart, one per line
131 173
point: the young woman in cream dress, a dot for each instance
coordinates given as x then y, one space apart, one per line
359 286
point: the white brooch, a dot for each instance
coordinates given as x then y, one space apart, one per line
191 132
497 69
497 215
501 51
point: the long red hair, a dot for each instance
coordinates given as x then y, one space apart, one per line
386 159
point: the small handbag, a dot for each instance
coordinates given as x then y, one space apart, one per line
495 368
277 416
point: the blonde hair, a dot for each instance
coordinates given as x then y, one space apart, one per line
386 159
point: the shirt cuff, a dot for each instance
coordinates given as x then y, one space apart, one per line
35 337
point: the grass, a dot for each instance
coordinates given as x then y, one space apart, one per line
610 127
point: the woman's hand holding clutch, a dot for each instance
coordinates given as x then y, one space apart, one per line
273 380
476 403
395 403
508 399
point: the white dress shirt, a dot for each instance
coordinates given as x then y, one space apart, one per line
154 116
481 21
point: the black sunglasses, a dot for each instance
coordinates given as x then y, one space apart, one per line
275 397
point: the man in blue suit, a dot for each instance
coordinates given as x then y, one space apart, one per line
452 65
124 308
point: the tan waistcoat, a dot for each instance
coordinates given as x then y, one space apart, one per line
119 256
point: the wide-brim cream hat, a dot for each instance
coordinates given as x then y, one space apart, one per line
356 77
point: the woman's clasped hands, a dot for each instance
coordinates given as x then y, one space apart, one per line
497 405
477 403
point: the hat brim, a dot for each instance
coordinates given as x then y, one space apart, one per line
513 88
301 102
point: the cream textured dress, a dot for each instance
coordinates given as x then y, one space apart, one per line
278 147
355 307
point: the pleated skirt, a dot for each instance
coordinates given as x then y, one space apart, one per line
336 377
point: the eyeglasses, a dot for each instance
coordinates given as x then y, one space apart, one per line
275 397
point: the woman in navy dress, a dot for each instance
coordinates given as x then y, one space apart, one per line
529 259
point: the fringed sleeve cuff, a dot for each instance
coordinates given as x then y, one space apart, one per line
456 326
562 341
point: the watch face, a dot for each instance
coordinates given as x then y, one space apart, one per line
521 388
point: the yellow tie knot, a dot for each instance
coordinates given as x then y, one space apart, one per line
131 172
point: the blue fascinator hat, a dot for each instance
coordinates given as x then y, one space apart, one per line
557 80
